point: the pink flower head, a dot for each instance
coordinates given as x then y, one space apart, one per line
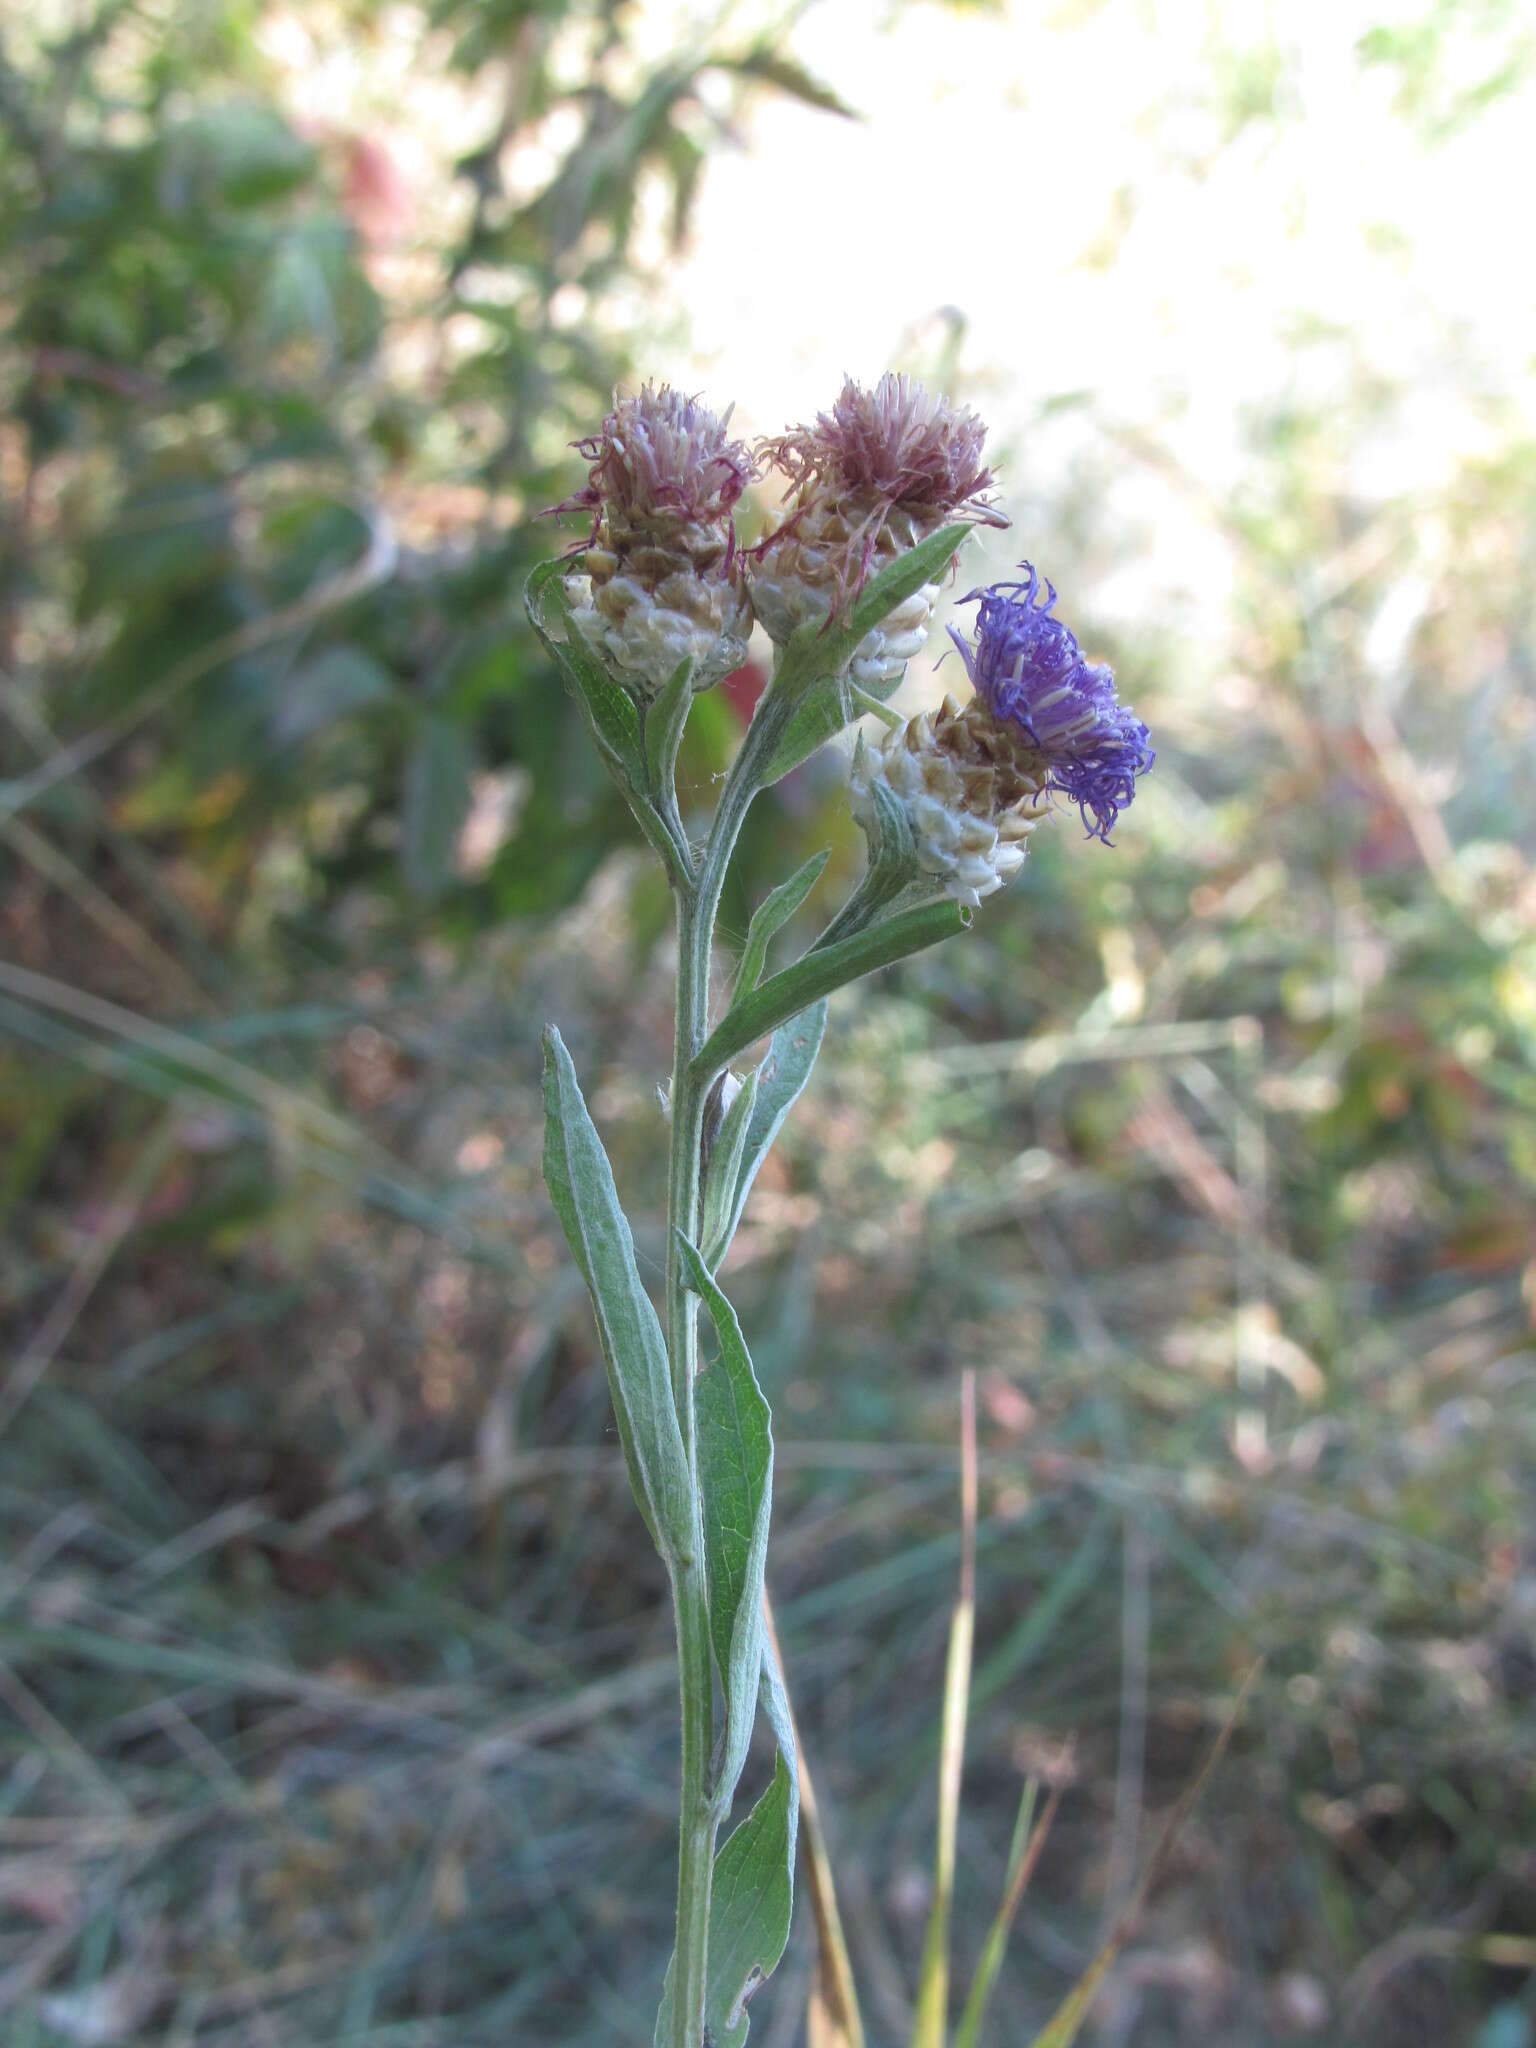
897 446
660 457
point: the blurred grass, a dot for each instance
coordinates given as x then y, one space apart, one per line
336 1696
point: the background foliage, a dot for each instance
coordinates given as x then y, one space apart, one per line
335 1692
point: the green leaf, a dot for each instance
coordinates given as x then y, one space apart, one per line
892 853
770 917
749 1910
580 1183
724 1172
1028 1841
822 970
665 720
735 1453
784 1072
813 663
609 711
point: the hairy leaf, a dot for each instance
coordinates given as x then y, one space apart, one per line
665 721
580 1183
785 1069
770 917
724 1174
823 969
735 1454
749 1911
609 711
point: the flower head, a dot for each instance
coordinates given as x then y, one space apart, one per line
662 457
1029 671
663 575
879 473
896 446
973 791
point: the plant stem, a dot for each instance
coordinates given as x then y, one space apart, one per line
697 906
697 1820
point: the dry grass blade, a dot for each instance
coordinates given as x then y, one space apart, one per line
1073 2010
933 1985
832 2018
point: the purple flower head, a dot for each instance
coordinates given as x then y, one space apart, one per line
1028 669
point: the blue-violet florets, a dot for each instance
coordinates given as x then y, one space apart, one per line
1028 669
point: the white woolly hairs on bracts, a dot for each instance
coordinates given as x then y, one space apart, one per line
971 805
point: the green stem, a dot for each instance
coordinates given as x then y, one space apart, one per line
697 906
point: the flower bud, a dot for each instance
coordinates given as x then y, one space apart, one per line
972 790
879 473
663 578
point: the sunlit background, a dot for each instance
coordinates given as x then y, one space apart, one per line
336 1690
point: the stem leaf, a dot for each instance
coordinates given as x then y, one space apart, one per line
770 917
609 713
749 1913
724 1175
783 1074
665 721
608 710
823 969
735 1454
580 1183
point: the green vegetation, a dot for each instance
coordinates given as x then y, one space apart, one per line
336 1692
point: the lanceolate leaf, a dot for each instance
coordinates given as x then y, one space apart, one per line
776 69
751 1908
749 1911
770 917
784 1072
823 969
609 712
665 721
814 661
580 1183
724 1174
735 1453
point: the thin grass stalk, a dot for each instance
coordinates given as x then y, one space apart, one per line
933 1984
1023 1857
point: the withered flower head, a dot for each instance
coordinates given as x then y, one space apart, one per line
896 446
881 471
663 576
662 456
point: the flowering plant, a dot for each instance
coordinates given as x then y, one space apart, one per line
885 490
